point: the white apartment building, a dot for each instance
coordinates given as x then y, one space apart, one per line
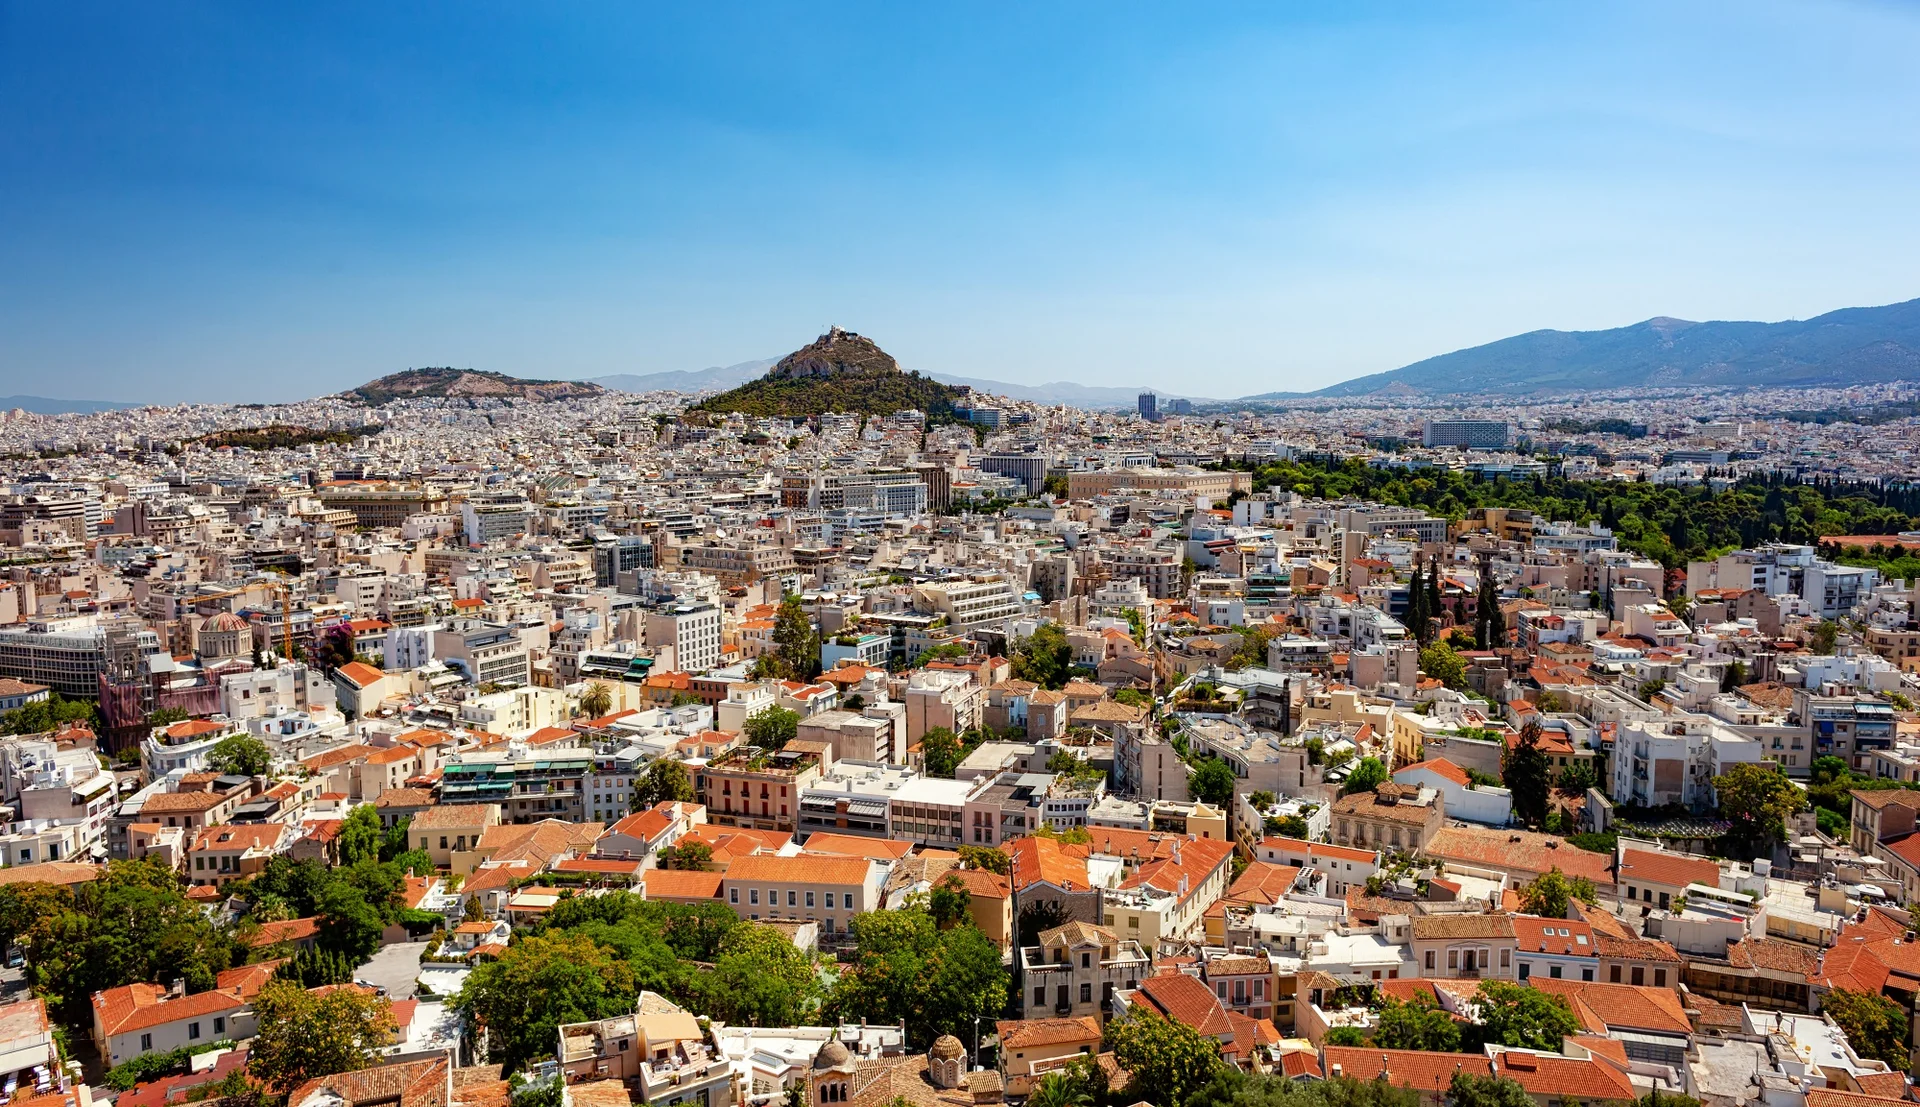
692 628
1674 758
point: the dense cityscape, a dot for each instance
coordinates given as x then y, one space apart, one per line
625 748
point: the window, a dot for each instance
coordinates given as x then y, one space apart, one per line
809 899
193 1031
220 1024
146 1043
793 898
1040 996
1526 969
443 841
1554 971
1639 975
1086 960
1086 993
1430 959
1613 974
1586 975
1659 978
733 895
1453 958
1506 958
753 895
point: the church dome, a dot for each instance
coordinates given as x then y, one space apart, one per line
831 1055
226 620
946 1047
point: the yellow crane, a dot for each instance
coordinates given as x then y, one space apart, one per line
286 608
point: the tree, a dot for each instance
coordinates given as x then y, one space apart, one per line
1875 1025
771 728
596 701
1525 769
664 781
240 755
1287 826
1468 1090
688 853
1212 782
1056 1089
1346 1036
349 924
1365 777
361 835
1233 1088
761 979
906 969
1549 702
1758 799
1043 657
1418 617
940 747
539 983
1575 779
1169 1060
49 714
988 858
1551 893
1443 663
1526 1018
1039 916
1733 676
796 644
23 905
1825 637
1489 622
1417 1024
299 1035
950 903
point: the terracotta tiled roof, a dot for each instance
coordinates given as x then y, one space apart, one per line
1439 766
681 884
802 869
142 1006
1520 851
1028 1033
1567 937
1670 869
1546 1074
1186 1000
849 845
1773 954
1406 1068
1603 1008
1452 927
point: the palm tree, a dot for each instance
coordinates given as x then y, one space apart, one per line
1055 1090
596 701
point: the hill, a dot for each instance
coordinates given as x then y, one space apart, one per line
415 384
839 371
41 405
281 436
1845 347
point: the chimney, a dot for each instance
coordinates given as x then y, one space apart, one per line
177 989
1336 1071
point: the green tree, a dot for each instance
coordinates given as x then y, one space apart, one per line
771 728
539 983
1825 637
1443 663
941 749
1525 769
1875 1025
361 835
1212 782
1526 1018
1057 1089
1169 1060
1346 1036
1468 1090
761 979
988 858
49 714
1365 777
796 644
349 924
596 701
1575 779
665 780
240 755
1758 799
906 969
1043 657
1416 1024
950 903
299 1035
1287 826
1551 893
24 905
688 853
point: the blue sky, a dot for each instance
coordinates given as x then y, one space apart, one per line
263 202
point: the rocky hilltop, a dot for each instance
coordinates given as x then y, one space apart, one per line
415 384
840 372
833 354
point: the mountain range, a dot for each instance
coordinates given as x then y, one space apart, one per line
42 405
411 384
1841 348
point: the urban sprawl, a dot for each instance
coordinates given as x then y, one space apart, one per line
597 752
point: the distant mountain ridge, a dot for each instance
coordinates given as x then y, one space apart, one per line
1841 348
446 381
42 405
